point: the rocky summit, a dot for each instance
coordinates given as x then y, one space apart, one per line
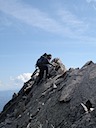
66 100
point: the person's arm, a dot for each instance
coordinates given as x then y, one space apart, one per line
48 62
51 64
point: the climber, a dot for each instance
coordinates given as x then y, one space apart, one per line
40 60
43 64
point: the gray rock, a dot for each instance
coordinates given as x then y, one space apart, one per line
57 102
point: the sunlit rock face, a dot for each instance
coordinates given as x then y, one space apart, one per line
66 100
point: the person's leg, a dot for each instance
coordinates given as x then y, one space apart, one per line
48 75
45 67
41 73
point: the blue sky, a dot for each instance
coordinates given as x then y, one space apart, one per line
29 28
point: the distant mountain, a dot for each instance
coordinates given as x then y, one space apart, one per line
5 96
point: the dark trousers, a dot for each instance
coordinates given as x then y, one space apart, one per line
42 69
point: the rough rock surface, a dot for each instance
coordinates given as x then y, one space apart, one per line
63 101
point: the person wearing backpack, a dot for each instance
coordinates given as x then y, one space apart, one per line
43 64
41 59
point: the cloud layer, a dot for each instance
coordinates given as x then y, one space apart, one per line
19 80
29 15
64 23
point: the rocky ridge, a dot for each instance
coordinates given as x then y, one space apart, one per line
66 100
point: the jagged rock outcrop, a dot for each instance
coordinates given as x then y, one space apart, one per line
66 100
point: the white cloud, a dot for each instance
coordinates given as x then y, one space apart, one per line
71 21
19 80
36 18
29 15
64 22
24 77
15 82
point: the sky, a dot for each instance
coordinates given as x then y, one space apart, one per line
28 28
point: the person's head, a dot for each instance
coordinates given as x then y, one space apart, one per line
45 54
49 56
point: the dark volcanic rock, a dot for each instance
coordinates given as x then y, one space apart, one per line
66 100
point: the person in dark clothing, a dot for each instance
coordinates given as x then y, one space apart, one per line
43 64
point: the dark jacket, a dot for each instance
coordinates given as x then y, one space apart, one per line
42 61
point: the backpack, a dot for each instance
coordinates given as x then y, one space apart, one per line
40 61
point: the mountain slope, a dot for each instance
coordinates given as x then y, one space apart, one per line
63 101
5 96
